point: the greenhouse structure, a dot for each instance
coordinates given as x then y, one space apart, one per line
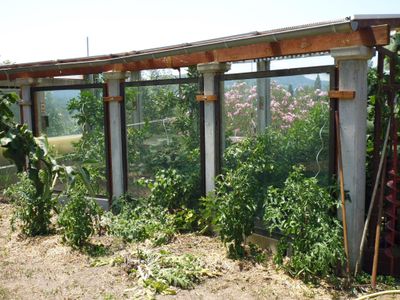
216 75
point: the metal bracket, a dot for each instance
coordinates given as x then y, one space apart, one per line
342 95
112 98
24 103
207 98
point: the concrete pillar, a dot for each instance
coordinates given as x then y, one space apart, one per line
209 71
26 102
114 101
264 98
353 68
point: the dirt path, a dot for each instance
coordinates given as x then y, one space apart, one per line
43 268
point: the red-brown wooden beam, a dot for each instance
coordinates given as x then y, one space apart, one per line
370 36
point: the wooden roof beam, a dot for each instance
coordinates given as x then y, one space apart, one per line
369 36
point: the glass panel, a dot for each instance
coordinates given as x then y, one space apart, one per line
74 123
162 132
296 117
7 169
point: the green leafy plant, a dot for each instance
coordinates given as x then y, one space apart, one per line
34 212
137 221
178 194
31 155
302 212
89 151
232 209
27 152
79 216
253 165
169 189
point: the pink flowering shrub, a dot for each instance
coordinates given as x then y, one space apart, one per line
241 107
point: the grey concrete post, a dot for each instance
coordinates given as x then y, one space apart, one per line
209 71
26 101
353 69
114 102
264 98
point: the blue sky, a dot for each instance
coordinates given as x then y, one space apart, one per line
51 29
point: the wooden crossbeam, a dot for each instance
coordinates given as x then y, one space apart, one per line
206 98
344 95
370 36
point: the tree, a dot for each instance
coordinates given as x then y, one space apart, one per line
290 89
317 83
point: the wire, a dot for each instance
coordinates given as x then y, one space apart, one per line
166 131
320 150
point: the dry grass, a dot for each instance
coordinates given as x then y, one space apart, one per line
43 268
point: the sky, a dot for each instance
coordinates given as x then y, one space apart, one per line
35 30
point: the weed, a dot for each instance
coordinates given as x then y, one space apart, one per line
34 212
95 250
4 293
78 217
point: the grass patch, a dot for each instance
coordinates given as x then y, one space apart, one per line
4 293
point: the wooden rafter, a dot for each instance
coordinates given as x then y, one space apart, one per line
369 36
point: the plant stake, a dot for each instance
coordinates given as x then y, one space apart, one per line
371 205
342 196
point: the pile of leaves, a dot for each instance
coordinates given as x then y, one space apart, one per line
161 271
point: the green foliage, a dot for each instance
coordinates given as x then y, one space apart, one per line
78 218
61 122
34 212
137 221
87 110
176 193
256 163
174 144
169 189
185 219
301 212
388 281
317 83
33 206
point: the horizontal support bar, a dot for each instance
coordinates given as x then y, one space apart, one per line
112 98
68 87
24 103
206 98
391 87
344 95
161 82
279 73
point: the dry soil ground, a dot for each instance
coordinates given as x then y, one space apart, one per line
44 268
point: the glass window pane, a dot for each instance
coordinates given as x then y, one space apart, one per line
162 132
74 123
295 110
